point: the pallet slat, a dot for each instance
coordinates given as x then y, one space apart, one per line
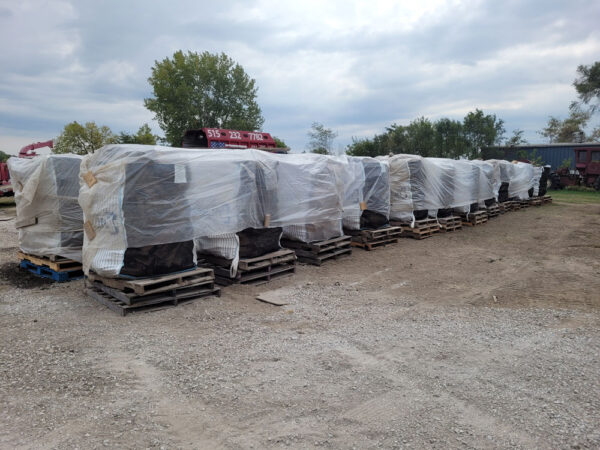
146 286
46 272
370 239
154 302
56 263
422 229
474 219
450 223
317 252
258 270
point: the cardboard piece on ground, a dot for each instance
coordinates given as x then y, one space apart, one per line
275 297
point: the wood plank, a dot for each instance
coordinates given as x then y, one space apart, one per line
278 257
278 253
272 297
144 285
61 265
159 302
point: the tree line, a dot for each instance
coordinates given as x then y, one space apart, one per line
443 138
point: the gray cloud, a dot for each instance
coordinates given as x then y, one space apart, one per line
356 67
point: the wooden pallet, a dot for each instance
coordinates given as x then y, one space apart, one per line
422 228
55 268
153 285
512 205
46 272
317 253
503 207
118 301
370 239
546 199
54 262
473 219
493 211
536 201
450 223
258 270
525 203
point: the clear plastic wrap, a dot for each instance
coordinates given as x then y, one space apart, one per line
366 192
309 195
353 181
376 193
161 205
537 176
434 187
426 186
148 203
521 180
502 175
487 182
401 202
49 219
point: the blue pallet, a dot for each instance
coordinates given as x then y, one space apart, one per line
47 272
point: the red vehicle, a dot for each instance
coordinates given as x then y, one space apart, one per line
587 173
587 162
5 186
229 139
26 152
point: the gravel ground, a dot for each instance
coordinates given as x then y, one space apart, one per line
483 338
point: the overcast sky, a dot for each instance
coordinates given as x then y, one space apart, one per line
357 67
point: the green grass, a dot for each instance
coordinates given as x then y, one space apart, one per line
578 197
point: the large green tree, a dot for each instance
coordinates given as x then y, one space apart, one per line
481 130
450 141
4 156
588 85
571 129
320 139
193 90
143 136
83 139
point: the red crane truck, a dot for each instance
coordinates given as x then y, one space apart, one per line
230 139
26 152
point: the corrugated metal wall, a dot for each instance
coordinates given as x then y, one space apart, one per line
554 155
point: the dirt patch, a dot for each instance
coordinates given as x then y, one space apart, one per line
13 275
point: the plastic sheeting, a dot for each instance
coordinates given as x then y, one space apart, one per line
366 192
49 219
353 182
502 175
376 193
152 197
537 176
309 199
519 176
521 180
487 182
425 186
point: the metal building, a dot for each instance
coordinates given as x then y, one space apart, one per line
552 154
